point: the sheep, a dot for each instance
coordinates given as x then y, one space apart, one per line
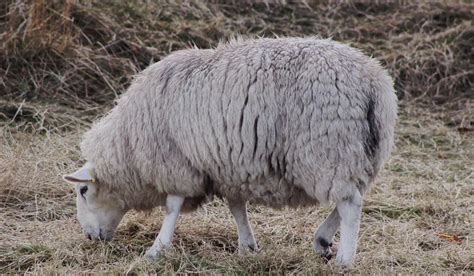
283 122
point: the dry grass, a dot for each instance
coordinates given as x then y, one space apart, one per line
426 190
82 54
62 63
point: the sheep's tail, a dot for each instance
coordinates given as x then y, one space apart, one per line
381 118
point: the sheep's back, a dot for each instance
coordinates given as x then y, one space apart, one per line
295 110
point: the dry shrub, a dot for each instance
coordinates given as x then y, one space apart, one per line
82 54
65 53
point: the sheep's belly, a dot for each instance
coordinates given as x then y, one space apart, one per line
270 191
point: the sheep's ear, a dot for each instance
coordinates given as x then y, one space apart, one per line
84 174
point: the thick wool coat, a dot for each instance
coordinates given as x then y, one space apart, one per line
282 122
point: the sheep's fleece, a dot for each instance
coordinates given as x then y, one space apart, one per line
288 121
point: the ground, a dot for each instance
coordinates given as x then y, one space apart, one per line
417 218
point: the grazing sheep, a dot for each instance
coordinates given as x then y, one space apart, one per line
281 122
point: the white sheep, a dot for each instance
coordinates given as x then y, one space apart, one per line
281 122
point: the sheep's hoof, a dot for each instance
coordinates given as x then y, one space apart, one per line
323 248
343 263
248 248
152 254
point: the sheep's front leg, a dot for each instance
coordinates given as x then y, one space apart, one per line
349 210
323 236
173 207
247 242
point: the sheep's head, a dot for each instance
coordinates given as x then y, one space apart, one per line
99 210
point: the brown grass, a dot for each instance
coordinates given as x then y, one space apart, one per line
425 190
83 53
64 62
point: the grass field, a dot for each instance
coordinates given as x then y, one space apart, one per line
63 63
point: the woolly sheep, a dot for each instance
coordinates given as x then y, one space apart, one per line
280 122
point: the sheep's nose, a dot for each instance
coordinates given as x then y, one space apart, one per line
88 236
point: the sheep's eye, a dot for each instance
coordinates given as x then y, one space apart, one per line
83 190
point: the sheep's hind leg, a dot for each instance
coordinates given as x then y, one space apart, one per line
323 236
163 241
247 242
349 210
